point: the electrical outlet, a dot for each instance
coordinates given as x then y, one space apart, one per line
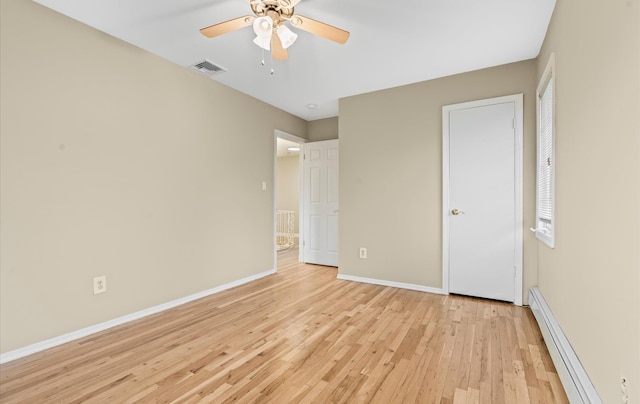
99 284
625 390
363 252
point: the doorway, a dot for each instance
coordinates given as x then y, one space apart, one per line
288 194
482 198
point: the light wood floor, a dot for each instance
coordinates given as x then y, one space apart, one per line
302 336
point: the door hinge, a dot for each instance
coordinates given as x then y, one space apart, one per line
513 123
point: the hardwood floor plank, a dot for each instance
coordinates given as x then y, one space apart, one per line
556 387
301 335
475 360
458 367
473 396
538 365
460 396
497 379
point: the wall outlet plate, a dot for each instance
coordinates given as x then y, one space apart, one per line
99 284
363 252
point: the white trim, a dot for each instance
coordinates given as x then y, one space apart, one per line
400 285
519 190
74 335
445 200
572 374
517 99
293 138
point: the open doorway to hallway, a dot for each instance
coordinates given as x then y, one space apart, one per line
288 194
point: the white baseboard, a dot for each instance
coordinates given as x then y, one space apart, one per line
62 339
574 378
400 285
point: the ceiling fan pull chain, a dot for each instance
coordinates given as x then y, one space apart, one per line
272 71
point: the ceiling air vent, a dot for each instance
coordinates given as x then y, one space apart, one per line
208 68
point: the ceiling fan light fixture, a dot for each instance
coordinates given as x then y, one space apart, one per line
287 37
263 27
264 43
269 22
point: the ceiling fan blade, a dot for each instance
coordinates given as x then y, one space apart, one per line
227 26
319 28
277 51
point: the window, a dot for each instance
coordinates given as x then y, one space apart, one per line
545 181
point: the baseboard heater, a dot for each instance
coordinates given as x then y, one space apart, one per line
574 378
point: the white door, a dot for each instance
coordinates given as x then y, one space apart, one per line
482 215
320 194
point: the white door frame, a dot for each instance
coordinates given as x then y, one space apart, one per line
518 100
287 136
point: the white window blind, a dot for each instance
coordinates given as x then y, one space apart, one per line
546 158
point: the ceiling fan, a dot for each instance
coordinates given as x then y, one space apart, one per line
269 25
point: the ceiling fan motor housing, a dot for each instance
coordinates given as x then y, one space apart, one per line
278 10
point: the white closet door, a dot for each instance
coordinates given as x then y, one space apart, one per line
482 201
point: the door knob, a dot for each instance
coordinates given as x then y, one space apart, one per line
456 212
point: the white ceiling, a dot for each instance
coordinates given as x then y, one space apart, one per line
391 43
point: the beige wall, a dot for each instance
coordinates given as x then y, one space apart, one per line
116 162
591 279
322 129
288 192
391 173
